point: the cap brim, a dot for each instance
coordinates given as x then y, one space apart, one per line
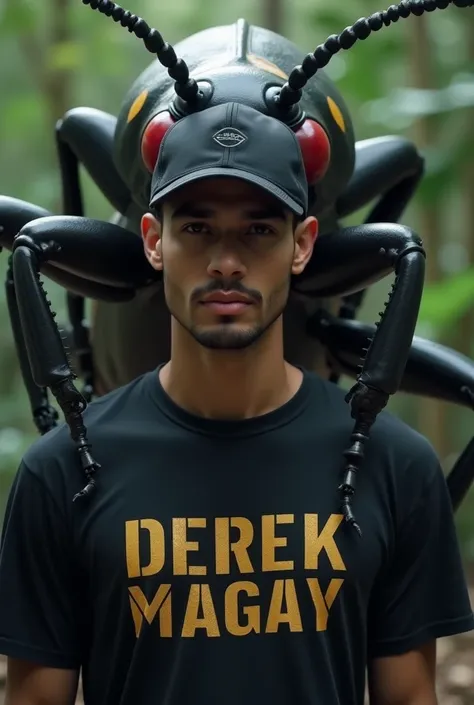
200 174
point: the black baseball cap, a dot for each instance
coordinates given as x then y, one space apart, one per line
233 140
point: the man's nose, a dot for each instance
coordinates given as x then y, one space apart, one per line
226 262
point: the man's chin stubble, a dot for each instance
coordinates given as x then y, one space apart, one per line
227 339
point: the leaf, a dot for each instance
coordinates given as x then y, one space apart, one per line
444 303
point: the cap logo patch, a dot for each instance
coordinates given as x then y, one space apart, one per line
229 137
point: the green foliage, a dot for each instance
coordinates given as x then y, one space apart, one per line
447 302
19 17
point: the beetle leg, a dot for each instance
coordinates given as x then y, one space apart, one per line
76 265
432 370
46 355
86 136
349 258
96 251
102 252
44 415
14 214
390 169
81 343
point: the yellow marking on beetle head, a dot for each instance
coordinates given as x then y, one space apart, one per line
336 113
266 65
137 105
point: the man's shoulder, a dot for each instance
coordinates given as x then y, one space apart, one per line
103 415
390 438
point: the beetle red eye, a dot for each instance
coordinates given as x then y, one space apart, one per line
153 137
316 149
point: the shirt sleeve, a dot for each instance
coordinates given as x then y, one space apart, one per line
39 619
422 593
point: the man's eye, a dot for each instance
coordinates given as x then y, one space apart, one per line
259 229
195 228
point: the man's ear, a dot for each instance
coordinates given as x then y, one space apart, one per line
151 235
305 236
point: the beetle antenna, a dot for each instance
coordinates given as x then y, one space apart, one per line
291 91
186 87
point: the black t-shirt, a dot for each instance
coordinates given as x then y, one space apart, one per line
212 564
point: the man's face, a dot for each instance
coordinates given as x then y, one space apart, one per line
227 251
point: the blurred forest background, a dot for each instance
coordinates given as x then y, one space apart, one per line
414 79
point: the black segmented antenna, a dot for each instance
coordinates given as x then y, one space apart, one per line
291 92
186 87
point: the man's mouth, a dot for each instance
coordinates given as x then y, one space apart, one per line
226 303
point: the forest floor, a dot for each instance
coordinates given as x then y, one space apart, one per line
455 670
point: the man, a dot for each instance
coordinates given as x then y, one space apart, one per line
211 564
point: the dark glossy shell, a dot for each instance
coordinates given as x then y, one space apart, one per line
239 62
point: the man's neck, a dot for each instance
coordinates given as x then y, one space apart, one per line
225 384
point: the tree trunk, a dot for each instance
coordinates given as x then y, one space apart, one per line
54 78
273 15
431 413
465 335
